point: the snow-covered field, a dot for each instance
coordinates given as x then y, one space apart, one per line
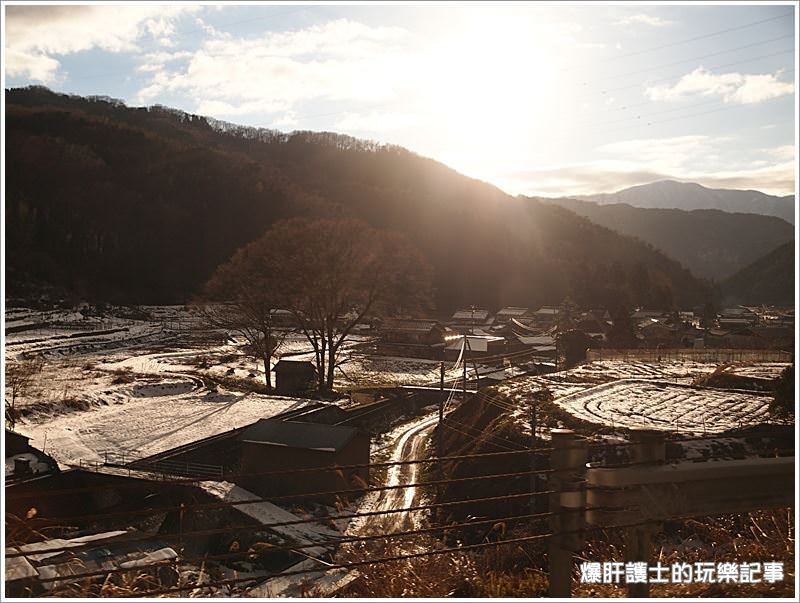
135 383
115 392
622 394
665 405
146 418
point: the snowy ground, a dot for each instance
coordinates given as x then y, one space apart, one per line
146 418
115 391
667 406
620 393
134 381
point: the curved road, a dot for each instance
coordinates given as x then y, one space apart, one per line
409 445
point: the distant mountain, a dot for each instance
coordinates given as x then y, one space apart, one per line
689 196
140 205
769 280
711 243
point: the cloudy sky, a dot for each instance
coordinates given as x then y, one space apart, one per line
552 100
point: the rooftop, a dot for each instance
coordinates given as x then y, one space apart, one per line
313 436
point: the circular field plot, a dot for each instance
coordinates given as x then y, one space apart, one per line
669 406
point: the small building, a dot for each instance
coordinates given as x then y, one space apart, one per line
506 314
477 346
418 338
546 316
297 445
727 322
282 318
646 314
294 377
469 318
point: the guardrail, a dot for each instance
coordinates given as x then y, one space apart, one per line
639 496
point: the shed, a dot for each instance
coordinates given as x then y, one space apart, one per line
16 443
470 316
413 331
546 315
294 377
506 314
291 445
478 346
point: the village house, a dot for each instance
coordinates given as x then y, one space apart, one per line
477 346
546 316
505 315
416 338
466 320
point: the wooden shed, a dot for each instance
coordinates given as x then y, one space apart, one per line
294 377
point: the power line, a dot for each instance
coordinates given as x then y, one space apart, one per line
250 527
689 60
460 457
227 504
688 40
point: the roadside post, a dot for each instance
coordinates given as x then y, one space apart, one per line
567 507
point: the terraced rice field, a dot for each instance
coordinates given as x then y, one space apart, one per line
668 406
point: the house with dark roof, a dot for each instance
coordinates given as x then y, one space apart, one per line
312 450
417 338
506 314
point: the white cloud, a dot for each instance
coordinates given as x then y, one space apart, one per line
339 60
731 87
36 35
37 66
642 19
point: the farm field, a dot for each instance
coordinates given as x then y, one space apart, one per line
662 405
113 392
620 394
145 383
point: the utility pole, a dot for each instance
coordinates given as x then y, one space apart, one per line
441 410
464 359
534 463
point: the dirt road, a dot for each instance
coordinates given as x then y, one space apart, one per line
409 445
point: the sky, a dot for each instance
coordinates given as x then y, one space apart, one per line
539 100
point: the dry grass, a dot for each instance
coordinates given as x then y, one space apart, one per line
490 572
746 537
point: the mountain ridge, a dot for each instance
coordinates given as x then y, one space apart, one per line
673 194
141 204
712 243
768 280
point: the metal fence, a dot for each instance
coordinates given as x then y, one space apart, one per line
710 355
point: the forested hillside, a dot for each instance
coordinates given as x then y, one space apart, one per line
769 280
140 205
713 244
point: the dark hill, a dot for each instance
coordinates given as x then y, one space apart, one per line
140 205
769 280
713 244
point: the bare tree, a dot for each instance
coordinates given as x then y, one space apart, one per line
248 308
19 374
330 274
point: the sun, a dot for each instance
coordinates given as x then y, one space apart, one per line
494 90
